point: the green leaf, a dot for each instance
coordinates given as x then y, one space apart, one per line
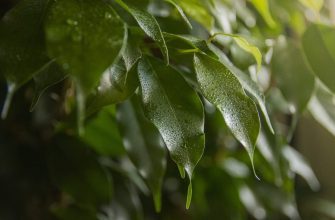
22 51
116 85
85 37
319 47
223 89
322 107
102 134
289 68
197 10
49 75
179 118
144 146
149 25
181 12
245 45
247 83
262 7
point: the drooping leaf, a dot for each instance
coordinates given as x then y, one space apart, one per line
179 118
322 107
85 37
245 45
223 89
262 7
149 25
197 10
319 47
181 12
144 146
289 68
49 75
22 50
247 83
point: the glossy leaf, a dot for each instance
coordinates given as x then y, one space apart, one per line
144 146
179 118
49 75
321 55
149 25
262 7
22 51
247 83
223 89
289 68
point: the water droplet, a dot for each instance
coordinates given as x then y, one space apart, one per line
108 15
71 22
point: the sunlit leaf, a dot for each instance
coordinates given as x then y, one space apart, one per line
223 90
319 47
179 118
144 146
315 5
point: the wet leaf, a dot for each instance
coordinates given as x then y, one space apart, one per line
223 89
85 38
149 25
321 55
144 146
247 83
179 118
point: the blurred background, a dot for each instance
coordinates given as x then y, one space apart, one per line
47 172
